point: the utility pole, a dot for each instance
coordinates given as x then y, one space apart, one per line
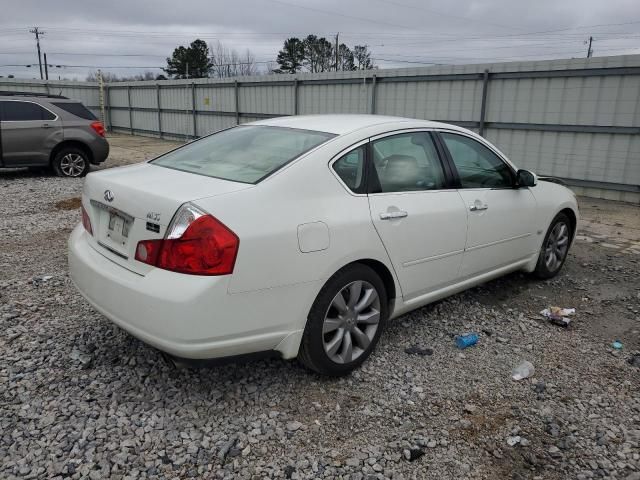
187 71
337 35
590 50
46 69
38 33
101 96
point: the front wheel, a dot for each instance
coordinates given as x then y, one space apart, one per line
554 248
71 162
345 321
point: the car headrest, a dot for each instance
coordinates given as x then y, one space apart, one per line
401 162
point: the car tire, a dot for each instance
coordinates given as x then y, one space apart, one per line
555 247
345 321
71 162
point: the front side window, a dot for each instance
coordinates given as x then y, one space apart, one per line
478 167
243 154
407 162
350 168
17 111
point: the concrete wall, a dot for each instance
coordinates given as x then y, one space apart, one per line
575 119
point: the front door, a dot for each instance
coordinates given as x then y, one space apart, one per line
501 218
29 133
422 222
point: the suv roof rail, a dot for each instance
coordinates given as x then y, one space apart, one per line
11 93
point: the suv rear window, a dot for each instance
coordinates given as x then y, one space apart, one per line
245 154
22 111
76 108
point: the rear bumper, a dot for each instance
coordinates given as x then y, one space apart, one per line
99 150
190 316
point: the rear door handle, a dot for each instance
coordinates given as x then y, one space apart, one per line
46 125
392 215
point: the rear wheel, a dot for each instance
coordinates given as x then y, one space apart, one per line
71 162
555 247
345 321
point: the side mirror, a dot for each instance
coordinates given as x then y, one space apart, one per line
525 178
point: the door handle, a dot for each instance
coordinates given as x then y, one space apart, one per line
392 215
478 207
46 125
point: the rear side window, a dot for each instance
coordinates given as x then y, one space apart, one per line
350 168
20 111
407 162
245 154
77 109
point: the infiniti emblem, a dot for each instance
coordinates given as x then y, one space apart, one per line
108 195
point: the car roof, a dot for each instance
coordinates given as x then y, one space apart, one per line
31 96
341 124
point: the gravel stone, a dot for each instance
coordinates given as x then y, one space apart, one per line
80 398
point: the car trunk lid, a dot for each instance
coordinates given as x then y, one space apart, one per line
136 203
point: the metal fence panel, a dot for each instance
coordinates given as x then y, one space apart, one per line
118 98
339 98
215 98
213 123
145 120
176 97
120 119
578 119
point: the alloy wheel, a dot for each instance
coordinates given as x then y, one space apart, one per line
557 246
72 164
351 322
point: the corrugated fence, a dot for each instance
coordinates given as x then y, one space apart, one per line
577 119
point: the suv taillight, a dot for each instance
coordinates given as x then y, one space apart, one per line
86 221
196 243
98 128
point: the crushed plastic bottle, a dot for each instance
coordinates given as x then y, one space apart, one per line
524 370
464 341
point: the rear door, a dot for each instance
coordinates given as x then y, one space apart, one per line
29 133
421 220
501 217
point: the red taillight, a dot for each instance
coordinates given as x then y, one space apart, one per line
86 221
196 243
98 127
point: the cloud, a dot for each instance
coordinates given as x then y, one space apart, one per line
135 36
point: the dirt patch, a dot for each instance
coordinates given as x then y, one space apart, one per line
69 204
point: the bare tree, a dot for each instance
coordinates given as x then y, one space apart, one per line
106 76
110 77
226 62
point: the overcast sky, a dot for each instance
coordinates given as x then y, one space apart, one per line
82 35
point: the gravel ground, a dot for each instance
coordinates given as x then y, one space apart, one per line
80 398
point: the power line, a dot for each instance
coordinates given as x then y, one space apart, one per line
442 14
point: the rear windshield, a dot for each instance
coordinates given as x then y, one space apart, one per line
77 109
243 154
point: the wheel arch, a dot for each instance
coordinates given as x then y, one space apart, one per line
573 218
385 275
70 144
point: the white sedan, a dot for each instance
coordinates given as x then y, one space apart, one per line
304 235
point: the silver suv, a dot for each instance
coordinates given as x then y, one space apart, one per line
39 130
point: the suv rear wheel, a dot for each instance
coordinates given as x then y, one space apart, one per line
71 162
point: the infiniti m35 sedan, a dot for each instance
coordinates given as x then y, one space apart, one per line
304 235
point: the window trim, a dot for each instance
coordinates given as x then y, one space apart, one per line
449 179
55 115
481 141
